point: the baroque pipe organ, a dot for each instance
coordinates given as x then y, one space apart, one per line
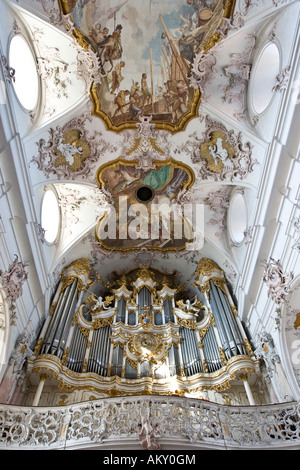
144 337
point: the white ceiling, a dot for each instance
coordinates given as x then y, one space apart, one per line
66 104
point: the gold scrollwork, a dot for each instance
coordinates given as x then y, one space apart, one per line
75 270
248 347
101 322
222 356
204 330
187 323
206 266
38 346
65 356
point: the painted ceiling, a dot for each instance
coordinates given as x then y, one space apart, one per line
159 94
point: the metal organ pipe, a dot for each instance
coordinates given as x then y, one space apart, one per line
109 342
82 343
144 298
77 350
91 365
64 313
190 352
221 322
56 328
50 317
233 323
121 310
234 339
117 361
53 324
101 355
237 319
211 350
107 347
71 327
70 309
169 317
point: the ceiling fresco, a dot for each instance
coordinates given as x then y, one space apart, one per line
145 55
144 103
90 151
140 198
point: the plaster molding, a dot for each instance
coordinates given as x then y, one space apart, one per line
277 281
227 167
55 156
12 282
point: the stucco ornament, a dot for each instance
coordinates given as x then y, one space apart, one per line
13 279
266 351
146 144
70 151
21 351
220 154
12 282
277 281
148 434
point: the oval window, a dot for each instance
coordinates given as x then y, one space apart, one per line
264 78
26 79
237 218
50 218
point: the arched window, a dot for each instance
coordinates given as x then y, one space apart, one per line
26 79
50 217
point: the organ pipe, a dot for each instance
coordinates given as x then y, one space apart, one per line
145 332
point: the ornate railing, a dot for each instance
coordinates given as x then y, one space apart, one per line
175 422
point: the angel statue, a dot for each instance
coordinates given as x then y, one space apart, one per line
100 304
188 306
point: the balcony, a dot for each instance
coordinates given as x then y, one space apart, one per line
160 422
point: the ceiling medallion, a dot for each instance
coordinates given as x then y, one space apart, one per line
71 150
145 55
218 153
221 154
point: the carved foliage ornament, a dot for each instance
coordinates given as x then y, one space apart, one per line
13 279
146 144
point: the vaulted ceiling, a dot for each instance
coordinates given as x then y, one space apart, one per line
234 72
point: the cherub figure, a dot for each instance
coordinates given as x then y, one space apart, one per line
100 304
148 434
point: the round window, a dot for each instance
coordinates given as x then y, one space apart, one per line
264 77
26 79
50 219
237 218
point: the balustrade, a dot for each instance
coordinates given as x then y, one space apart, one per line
179 423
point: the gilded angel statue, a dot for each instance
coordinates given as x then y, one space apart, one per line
188 306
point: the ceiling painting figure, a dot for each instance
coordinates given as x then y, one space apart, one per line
145 53
143 210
